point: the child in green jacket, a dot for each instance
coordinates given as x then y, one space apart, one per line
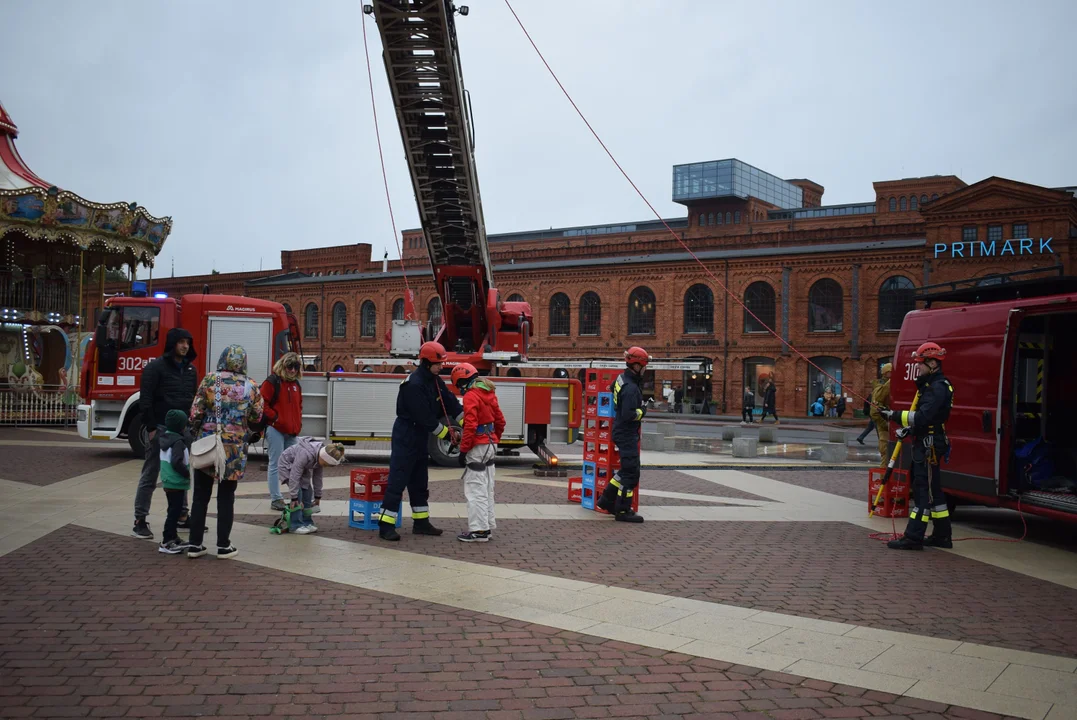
175 445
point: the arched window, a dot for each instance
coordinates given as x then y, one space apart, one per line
736 218
728 218
340 320
398 309
825 306
310 321
368 319
559 314
913 203
759 298
516 297
710 218
702 219
934 196
590 314
699 309
641 306
893 204
923 199
433 317
904 204
719 218
287 308
895 300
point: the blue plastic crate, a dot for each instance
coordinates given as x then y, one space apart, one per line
587 495
365 514
588 473
605 404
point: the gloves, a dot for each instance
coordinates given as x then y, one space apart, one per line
887 413
462 459
902 432
455 435
644 411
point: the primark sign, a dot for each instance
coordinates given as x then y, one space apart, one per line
978 248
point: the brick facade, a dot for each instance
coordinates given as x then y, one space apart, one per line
925 245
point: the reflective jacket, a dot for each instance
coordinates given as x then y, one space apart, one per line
483 420
931 406
628 412
417 401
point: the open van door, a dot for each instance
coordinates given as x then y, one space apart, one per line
1004 415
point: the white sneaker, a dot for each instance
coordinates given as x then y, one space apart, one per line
306 529
315 509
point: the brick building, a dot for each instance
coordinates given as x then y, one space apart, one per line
832 281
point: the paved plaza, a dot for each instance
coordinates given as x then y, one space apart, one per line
752 591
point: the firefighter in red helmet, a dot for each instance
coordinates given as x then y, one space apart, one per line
420 412
628 412
925 422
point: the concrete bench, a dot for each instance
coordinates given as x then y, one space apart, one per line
651 441
667 428
745 447
834 452
767 434
728 434
836 436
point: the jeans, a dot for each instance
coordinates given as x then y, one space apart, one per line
278 442
298 518
175 510
147 481
226 500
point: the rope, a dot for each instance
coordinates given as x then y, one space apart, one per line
384 176
676 237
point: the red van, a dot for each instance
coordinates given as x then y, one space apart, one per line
1011 356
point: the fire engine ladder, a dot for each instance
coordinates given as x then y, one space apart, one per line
422 61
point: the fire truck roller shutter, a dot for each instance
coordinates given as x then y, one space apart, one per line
254 334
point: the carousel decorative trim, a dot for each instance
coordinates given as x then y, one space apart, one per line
55 215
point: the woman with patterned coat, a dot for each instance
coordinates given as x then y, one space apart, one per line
229 394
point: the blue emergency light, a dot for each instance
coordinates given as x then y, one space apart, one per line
138 288
160 295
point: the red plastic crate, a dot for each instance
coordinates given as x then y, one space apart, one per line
895 498
369 483
575 489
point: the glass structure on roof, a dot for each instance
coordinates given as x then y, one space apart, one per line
732 178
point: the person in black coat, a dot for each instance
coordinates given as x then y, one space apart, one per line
628 409
168 383
770 399
422 403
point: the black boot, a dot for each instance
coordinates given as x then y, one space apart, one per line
905 543
608 499
934 540
941 535
423 527
624 511
388 532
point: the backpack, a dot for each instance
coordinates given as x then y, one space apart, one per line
1034 463
275 381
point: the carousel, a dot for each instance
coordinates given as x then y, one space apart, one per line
53 244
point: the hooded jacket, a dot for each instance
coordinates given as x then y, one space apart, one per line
175 460
299 463
240 405
166 383
483 419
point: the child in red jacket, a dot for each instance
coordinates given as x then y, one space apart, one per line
483 425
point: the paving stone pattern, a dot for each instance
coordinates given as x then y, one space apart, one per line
830 571
519 493
847 483
89 632
44 465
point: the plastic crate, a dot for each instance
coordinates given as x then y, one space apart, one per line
605 404
599 380
366 514
575 489
894 502
369 483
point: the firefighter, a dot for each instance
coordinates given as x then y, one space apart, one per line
419 414
628 412
925 423
880 400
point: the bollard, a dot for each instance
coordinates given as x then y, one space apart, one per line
651 441
767 434
745 447
728 434
834 452
667 428
837 436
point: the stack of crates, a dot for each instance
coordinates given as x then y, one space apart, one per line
894 502
600 456
367 492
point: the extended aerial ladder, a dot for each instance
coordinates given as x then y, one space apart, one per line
422 61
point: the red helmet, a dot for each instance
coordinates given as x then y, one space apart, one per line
636 354
929 350
462 374
433 352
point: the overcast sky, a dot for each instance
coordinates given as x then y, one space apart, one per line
249 122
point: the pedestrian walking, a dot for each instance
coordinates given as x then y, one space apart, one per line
880 398
168 383
422 403
282 400
925 423
301 466
628 413
175 462
747 405
483 425
227 403
770 400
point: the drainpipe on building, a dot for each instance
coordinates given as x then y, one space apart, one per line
321 332
725 360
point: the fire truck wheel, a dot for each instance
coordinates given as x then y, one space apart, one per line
443 453
138 437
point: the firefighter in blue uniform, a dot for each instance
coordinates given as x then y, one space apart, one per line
419 414
924 422
628 412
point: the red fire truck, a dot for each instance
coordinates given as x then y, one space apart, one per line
1010 349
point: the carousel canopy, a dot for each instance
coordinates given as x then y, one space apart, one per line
39 221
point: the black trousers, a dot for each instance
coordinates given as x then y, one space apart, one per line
766 410
928 500
226 501
867 430
175 512
746 414
407 471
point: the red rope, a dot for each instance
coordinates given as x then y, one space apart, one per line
662 220
384 177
